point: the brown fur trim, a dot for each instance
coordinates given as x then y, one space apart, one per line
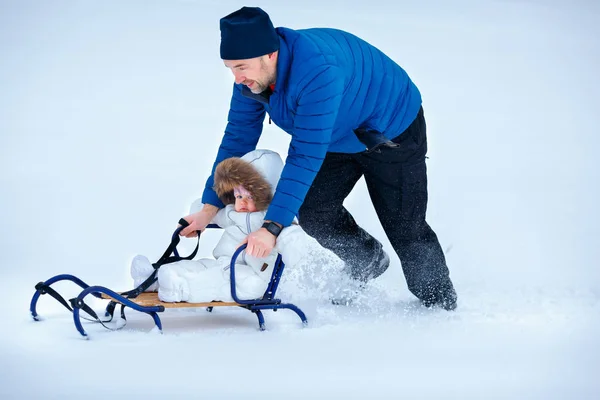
233 172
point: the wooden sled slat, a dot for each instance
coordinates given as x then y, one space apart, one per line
150 299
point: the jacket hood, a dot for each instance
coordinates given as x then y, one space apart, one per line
257 171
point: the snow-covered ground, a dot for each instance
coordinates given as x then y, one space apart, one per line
110 116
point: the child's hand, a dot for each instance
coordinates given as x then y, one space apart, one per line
260 243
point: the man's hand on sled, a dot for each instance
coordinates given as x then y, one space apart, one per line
260 243
198 221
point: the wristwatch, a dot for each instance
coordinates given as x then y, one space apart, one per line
273 228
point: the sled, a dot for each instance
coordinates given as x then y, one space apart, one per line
149 303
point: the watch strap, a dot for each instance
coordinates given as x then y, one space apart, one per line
273 228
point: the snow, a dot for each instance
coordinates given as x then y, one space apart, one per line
110 116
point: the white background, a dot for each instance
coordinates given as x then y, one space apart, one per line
111 113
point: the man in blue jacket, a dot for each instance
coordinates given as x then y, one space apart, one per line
351 112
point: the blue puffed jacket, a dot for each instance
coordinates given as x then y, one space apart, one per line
329 82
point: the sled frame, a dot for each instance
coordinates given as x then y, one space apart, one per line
149 303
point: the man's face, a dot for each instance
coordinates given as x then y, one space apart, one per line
256 73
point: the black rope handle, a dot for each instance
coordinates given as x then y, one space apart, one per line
166 258
172 249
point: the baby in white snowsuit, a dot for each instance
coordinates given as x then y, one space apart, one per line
246 185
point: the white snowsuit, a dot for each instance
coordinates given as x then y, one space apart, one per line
209 279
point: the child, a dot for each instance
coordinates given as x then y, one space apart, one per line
246 185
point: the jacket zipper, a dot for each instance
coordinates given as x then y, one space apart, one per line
248 231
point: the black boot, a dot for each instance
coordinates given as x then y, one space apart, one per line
444 297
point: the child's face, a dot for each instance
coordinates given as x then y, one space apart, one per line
243 200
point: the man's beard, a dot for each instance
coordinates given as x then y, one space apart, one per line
259 86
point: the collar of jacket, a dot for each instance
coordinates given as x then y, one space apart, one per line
283 67
263 97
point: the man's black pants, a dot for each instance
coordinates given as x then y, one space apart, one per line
397 182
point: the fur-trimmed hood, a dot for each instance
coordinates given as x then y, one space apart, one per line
257 171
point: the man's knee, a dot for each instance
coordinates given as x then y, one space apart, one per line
317 225
308 218
320 218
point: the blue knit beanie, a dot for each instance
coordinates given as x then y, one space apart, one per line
247 33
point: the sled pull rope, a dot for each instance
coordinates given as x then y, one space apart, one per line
84 307
172 249
46 289
166 258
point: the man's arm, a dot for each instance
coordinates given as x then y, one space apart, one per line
317 111
243 130
315 118
244 127
198 221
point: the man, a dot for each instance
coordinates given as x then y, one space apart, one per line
351 112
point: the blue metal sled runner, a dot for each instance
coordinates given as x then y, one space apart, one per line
149 303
